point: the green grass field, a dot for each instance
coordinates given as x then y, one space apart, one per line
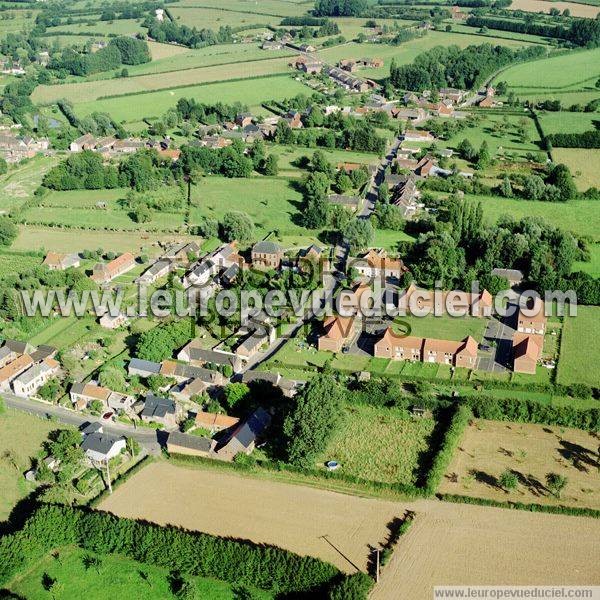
388 239
253 93
571 70
89 91
15 21
21 438
63 332
125 578
117 27
271 203
380 444
568 122
213 18
579 348
583 163
579 216
281 8
84 198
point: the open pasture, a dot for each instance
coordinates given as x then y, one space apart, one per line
568 122
489 448
88 91
278 8
213 18
116 27
333 527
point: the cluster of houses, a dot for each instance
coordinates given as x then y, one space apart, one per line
340 332
15 148
351 65
110 146
24 369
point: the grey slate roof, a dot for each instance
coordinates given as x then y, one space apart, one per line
99 442
144 365
254 426
155 406
42 352
16 346
266 247
193 442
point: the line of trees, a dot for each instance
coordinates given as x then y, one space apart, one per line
587 139
167 31
236 561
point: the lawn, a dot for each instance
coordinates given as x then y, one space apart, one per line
583 163
21 438
445 327
579 348
63 332
84 198
88 91
14 263
155 104
272 204
489 448
569 70
124 577
380 444
579 216
388 239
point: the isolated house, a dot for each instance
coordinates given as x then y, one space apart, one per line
513 276
337 332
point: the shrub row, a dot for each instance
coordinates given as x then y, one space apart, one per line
199 554
543 508
458 422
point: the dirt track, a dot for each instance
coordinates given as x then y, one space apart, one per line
447 544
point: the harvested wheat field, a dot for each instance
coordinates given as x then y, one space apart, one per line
336 528
577 10
461 544
530 452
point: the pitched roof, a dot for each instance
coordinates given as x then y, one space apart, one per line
193 442
155 406
399 341
527 345
338 327
91 390
256 423
210 420
144 365
17 366
99 442
266 247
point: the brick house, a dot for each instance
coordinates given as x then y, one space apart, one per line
266 255
337 332
105 272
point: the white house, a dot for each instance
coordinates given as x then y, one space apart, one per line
101 447
30 381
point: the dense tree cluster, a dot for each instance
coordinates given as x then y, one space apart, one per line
168 31
587 139
16 98
229 161
459 248
159 343
449 66
314 418
340 8
190 109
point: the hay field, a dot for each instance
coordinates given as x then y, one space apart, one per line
459 544
488 448
292 517
577 10
213 18
88 91
159 51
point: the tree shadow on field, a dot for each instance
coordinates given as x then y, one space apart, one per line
534 485
578 455
485 478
